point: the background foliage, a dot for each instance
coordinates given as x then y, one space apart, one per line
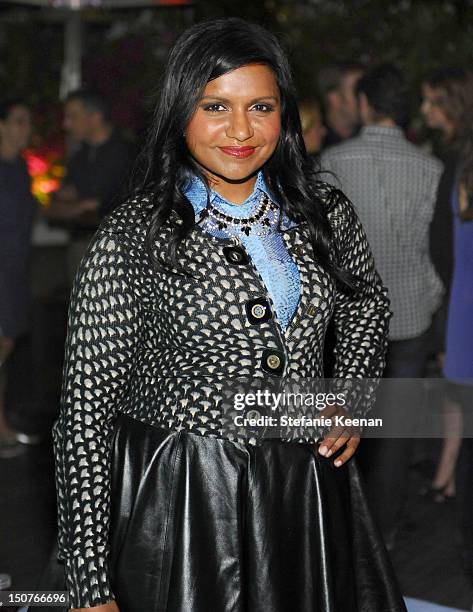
125 50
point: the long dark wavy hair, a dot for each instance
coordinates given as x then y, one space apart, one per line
465 128
454 85
202 53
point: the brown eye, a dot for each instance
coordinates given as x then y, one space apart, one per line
263 108
214 108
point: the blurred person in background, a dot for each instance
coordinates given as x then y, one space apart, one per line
313 128
458 366
95 172
393 184
17 210
337 84
444 103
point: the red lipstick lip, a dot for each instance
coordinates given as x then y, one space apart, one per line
238 151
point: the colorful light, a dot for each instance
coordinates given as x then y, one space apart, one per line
36 165
46 168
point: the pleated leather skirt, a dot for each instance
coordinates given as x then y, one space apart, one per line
203 524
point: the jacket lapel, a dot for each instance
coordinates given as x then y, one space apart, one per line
312 276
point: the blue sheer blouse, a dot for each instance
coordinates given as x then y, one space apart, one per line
267 251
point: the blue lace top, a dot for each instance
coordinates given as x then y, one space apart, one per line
267 251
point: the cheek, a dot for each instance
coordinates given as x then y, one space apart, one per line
201 133
442 117
354 102
24 128
16 131
272 130
192 136
434 116
8 133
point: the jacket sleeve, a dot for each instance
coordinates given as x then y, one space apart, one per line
102 338
361 319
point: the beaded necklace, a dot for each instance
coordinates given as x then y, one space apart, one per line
259 223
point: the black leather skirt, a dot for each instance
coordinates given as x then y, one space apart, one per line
203 524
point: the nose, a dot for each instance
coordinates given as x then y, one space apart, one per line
240 126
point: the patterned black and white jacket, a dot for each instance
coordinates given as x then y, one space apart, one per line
148 343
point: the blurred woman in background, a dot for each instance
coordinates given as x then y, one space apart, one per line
444 104
458 367
17 207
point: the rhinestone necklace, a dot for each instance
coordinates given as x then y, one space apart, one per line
261 218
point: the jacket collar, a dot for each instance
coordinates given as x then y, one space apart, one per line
382 131
196 193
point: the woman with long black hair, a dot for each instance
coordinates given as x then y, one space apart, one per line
226 264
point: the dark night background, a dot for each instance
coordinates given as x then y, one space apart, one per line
124 51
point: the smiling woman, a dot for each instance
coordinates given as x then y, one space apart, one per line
233 132
224 266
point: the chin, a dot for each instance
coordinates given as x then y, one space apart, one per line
235 177
233 171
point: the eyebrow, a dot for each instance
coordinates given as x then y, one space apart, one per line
251 101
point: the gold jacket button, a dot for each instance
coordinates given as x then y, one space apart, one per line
258 311
273 362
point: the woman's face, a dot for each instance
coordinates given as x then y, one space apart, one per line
236 125
432 111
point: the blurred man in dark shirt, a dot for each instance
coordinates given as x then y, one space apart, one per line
337 84
95 172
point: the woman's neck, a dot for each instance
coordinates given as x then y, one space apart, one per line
236 193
